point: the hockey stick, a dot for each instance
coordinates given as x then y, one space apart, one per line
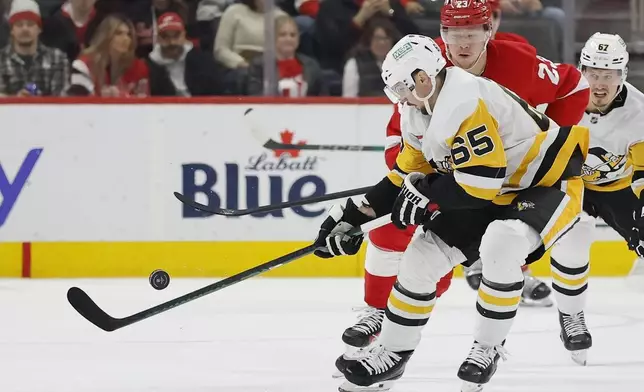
270 207
271 144
87 308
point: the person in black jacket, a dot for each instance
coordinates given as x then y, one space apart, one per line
176 68
340 23
71 27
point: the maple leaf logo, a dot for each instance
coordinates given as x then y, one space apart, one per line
286 137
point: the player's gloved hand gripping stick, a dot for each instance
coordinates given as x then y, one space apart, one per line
94 314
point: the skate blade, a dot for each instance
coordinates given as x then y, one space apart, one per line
471 387
337 374
536 303
580 357
377 387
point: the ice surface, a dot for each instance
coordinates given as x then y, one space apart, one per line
283 335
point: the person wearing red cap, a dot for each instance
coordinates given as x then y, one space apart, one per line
27 66
467 28
177 68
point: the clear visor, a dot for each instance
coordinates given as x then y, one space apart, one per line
398 93
464 35
606 77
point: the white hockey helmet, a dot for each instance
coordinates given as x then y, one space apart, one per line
410 54
605 51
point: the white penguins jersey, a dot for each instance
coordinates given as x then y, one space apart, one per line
616 154
492 141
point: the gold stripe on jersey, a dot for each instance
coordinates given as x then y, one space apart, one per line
505 199
533 152
549 158
612 186
408 161
567 214
557 158
478 154
636 155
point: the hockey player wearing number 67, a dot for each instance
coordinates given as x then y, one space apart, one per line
613 175
488 176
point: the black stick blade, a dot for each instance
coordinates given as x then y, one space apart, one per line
202 207
87 308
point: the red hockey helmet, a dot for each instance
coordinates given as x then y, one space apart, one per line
463 13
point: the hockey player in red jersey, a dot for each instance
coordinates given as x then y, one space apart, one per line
467 29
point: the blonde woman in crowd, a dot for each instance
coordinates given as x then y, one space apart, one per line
109 67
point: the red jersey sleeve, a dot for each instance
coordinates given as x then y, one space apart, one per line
394 139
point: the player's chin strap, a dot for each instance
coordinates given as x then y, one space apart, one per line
425 100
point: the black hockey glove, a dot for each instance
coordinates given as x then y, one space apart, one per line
332 239
412 207
636 242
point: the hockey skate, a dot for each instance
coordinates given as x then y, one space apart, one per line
359 336
479 366
575 336
366 329
375 371
536 293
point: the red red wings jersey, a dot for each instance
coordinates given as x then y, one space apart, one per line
505 36
537 80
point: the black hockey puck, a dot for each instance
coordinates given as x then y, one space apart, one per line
159 279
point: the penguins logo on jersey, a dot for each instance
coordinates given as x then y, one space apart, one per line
525 205
602 165
446 166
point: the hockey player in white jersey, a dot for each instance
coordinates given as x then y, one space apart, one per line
487 177
613 175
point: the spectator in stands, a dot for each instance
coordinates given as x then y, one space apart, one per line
304 13
340 24
71 27
241 33
534 8
207 16
495 6
109 66
144 15
298 75
27 67
177 68
362 71
5 6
